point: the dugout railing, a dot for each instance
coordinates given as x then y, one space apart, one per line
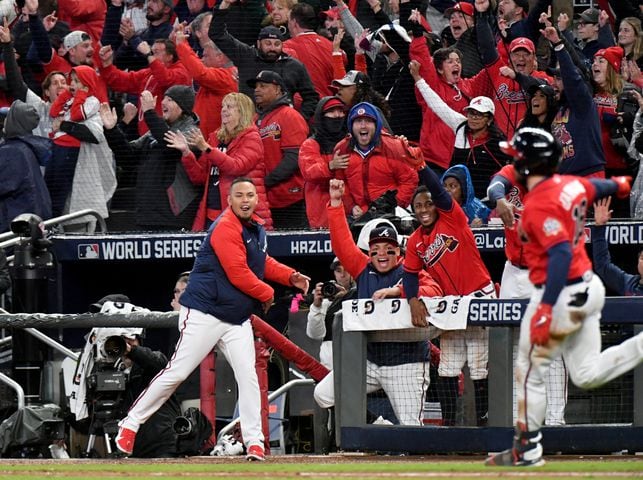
354 434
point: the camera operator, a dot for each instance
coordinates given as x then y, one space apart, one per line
112 372
156 437
327 300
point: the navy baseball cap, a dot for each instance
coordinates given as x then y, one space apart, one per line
383 234
270 32
268 76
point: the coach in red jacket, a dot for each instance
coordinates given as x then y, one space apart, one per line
282 131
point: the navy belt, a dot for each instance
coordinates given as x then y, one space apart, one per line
586 277
521 267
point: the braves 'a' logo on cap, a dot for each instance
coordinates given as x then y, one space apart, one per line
385 233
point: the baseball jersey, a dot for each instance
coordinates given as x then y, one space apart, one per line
555 212
448 253
515 196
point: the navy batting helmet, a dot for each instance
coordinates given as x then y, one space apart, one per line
535 151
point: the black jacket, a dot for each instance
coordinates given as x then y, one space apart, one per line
157 170
156 437
249 63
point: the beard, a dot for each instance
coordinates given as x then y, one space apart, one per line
269 56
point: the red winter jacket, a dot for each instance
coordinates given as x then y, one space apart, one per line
314 168
214 84
385 168
243 158
157 78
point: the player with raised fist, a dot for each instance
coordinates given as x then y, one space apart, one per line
564 311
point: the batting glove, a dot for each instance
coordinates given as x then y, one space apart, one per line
540 323
623 186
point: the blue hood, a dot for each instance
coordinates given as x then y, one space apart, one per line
473 207
365 109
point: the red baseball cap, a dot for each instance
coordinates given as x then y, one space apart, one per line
462 7
522 42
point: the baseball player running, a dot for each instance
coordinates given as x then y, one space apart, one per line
564 311
226 285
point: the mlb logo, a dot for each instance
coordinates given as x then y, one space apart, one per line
88 250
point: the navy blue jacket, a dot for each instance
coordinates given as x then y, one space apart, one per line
210 290
616 279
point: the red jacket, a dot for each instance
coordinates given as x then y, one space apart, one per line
316 53
314 169
85 15
243 158
156 78
214 84
436 137
385 168
283 128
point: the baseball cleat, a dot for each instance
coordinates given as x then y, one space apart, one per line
513 458
255 453
125 440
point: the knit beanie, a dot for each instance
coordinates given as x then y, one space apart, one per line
21 120
183 96
613 55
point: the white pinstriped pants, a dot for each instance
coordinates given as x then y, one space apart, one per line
200 333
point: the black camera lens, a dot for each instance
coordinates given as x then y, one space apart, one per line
115 346
182 426
329 289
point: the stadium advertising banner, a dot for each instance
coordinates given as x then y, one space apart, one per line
147 246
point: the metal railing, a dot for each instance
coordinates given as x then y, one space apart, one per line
9 239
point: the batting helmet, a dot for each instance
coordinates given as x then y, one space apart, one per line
535 151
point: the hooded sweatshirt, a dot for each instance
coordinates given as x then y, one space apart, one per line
472 206
79 106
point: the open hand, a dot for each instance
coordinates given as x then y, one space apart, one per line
108 116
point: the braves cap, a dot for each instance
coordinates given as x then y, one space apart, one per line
522 42
482 105
383 234
74 38
270 32
267 76
462 7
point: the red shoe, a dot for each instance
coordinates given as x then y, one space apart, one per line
255 454
125 440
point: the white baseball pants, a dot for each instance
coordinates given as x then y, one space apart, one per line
200 333
575 331
405 386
